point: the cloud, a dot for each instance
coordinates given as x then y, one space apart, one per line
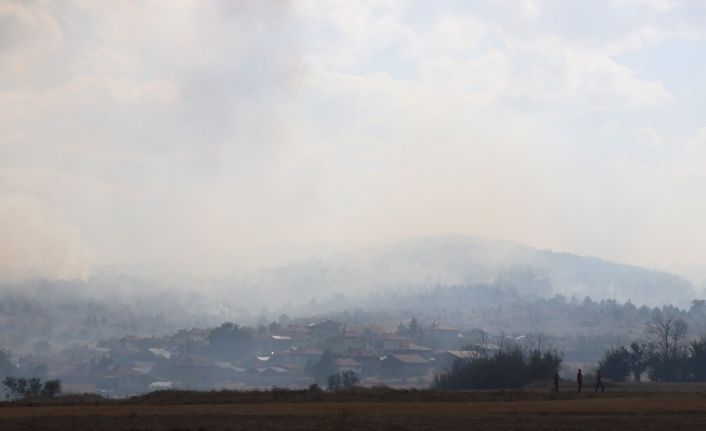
28 32
209 136
649 137
34 244
611 126
658 5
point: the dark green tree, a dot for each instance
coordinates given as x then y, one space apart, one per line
412 330
510 368
669 362
230 342
639 359
349 379
697 359
341 380
333 382
51 388
615 363
20 387
323 368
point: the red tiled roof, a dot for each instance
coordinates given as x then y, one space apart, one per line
389 337
347 362
409 359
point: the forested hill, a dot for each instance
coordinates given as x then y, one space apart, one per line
461 260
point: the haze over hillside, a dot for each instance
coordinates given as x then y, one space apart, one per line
404 267
427 262
209 137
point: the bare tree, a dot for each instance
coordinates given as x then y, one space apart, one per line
679 336
638 359
669 334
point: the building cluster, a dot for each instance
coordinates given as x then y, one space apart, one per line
281 357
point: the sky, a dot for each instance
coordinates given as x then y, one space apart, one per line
200 137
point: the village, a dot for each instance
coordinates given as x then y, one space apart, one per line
232 357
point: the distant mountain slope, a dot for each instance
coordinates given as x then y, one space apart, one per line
541 272
454 260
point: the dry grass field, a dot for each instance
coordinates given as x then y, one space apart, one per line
518 410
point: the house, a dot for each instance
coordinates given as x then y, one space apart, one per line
387 342
297 358
144 367
160 353
370 361
140 343
195 371
487 348
78 388
349 364
81 375
295 332
446 358
474 335
350 340
412 349
259 362
280 342
121 380
162 386
230 372
193 339
443 335
324 329
397 366
82 352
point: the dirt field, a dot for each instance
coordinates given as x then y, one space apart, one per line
623 411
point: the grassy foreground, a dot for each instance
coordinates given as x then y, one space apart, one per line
625 409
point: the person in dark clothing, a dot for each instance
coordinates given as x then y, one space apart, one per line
556 383
579 380
599 381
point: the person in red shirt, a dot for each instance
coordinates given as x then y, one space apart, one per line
579 380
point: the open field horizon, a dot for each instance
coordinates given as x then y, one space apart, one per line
673 406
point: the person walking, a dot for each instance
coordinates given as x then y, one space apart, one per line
599 381
579 380
556 383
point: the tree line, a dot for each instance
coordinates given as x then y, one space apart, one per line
20 387
668 355
511 367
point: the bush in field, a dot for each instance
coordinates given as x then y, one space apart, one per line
685 363
510 368
342 380
670 359
619 362
51 388
20 387
615 363
697 361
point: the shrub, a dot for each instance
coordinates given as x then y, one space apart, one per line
20 387
511 368
615 363
342 380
